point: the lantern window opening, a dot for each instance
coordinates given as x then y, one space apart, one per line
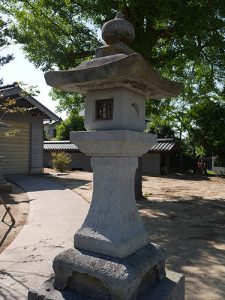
104 109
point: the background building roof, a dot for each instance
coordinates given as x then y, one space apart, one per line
24 99
59 146
165 145
161 145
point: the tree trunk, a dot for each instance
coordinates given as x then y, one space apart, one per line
138 181
180 161
180 155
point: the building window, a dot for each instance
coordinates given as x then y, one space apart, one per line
104 109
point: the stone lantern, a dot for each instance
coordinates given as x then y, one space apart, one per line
112 256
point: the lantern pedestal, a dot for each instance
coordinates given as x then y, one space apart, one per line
113 225
83 275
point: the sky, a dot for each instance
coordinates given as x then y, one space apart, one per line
21 70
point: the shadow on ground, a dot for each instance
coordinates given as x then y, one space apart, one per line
193 233
70 183
190 177
11 199
47 182
7 292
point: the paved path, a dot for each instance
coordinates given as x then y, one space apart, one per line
55 214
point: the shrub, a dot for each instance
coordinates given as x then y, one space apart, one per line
61 161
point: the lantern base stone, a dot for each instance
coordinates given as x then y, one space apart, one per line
83 275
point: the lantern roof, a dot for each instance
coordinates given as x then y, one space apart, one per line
115 65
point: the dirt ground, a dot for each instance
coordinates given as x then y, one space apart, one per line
185 215
18 203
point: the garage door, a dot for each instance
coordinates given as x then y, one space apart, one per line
16 149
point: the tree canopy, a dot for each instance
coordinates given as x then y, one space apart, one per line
4 42
206 128
176 36
73 123
183 39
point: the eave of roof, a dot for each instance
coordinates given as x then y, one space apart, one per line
10 90
59 146
164 145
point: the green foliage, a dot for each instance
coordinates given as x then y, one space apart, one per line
45 136
10 106
146 195
184 40
206 130
161 131
53 33
4 42
28 90
73 123
11 133
58 34
61 161
67 101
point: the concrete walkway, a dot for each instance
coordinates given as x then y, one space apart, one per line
55 214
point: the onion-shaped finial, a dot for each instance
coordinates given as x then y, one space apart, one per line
118 30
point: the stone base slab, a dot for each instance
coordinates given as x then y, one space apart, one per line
96 274
82 275
171 288
5 187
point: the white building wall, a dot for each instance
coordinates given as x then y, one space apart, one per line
36 159
16 150
24 152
